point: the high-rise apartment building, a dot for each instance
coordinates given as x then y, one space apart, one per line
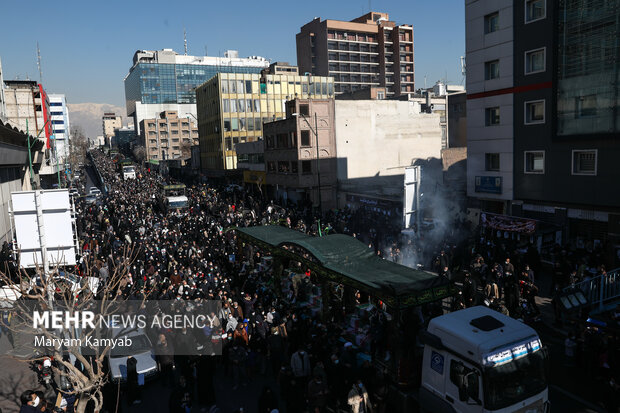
60 125
165 80
168 136
232 108
368 51
109 122
542 127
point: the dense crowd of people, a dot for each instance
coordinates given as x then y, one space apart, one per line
263 333
187 255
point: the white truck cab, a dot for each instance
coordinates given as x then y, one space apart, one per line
477 360
129 172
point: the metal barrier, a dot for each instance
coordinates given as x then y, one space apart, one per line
600 291
104 186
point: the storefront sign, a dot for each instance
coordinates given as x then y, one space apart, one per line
489 184
503 223
374 202
254 177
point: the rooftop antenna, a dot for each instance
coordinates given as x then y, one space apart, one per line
39 64
424 81
185 40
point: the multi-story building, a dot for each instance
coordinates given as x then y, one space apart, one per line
164 80
124 137
300 154
168 137
232 108
28 110
25 108
60 126
368 51
109 122
542 113
251 160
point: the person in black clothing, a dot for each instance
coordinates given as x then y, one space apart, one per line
133 389
181 398
267 401
165 358
29 401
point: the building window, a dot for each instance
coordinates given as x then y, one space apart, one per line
585 106
535 10
380 95
491 70
306 167
491 161
535 112
534 162
305 138
294 167
535 61
271 166
584 162
283 167
491 22
304 109
491 116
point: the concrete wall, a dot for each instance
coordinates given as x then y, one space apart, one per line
5 196
380 138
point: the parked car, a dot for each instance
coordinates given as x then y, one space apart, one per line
141 349
94 191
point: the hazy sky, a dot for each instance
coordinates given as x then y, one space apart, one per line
87 46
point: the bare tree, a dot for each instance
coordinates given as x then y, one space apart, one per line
58 292
139 152
78 145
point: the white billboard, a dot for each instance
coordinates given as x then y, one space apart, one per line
411 201
43 220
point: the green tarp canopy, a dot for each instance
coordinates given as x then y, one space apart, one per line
344 259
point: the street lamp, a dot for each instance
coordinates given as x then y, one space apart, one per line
315 131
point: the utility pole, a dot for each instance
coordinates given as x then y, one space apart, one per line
39 64
185 40
318 162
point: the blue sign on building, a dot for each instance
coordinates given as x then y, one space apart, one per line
489 184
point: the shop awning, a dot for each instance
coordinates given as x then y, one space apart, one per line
344 259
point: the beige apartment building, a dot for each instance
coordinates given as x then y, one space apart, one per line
300 154
168 137
367 51
110 122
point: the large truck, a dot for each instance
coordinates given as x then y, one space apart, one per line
477 360
127 169
173 198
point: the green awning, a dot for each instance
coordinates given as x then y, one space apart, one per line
345 259
153 161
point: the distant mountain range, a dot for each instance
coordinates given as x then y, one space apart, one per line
88 116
